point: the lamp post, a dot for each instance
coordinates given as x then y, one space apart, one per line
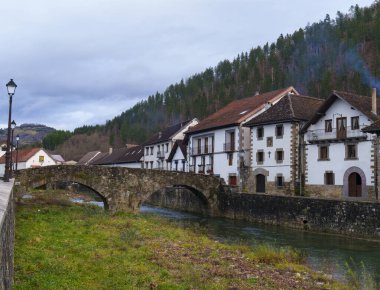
17 139
11 88
13 126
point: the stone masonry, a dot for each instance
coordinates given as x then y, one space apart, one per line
122 189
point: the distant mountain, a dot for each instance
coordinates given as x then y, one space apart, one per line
341 54
30 134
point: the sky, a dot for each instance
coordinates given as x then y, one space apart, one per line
82 62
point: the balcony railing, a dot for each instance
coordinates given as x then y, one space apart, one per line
201 168
228 147
192 168
160 154
207 149
210 168
318 135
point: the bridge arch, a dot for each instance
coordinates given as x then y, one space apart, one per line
123 189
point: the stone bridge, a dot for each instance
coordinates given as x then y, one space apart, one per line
122 189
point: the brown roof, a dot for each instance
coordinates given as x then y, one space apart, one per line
238 111
289 108
165 134
121 155
85 160
22 156
182 145
360 103
373 128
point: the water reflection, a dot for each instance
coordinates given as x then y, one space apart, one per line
328 253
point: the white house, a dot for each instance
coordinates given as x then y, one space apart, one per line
338 153
130 157
275 143
220 144
28 158
178 156
157 149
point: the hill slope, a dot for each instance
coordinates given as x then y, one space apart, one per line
341 53
30 134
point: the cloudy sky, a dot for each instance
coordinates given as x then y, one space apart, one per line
82 62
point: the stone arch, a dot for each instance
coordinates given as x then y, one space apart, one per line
364 188
41 182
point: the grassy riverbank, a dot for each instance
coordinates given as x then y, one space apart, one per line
82 247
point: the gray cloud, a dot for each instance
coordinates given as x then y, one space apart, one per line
83 62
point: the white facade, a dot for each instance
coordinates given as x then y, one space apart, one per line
336 158
39 159
156 155
179 162
214 152
265 151
127 165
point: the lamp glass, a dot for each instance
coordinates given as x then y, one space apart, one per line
17 138
11 87
13 124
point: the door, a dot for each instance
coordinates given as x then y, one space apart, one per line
232 180
260 183
341 128
354 185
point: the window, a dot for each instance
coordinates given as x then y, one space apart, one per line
355 123
279 181
199 146
41 158
323 152
230 157
146 164
351 151
206 145
329 178
260 133
279 131
167 147
260 157
151 150
147 151
151 165
279 155
328 125
269 141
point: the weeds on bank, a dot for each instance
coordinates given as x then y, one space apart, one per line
82 247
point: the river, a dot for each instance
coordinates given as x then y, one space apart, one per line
327 253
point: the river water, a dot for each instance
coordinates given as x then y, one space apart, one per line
327 253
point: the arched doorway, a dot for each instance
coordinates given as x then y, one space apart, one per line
260 183
354 185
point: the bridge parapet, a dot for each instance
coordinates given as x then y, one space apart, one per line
122 189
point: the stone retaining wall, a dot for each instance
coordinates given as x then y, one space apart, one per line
353 218
7 226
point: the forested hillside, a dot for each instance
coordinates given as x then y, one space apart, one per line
341 53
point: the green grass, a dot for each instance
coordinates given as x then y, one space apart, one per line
82 247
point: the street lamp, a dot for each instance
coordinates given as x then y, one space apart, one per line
11 88
13 125
17 139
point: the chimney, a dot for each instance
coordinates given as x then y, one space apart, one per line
159 135
110 150
374 101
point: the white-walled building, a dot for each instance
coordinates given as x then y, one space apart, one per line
28 158
275 143
220 144
338 154
178 156
130 157
157 149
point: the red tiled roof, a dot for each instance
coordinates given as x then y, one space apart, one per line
22 156
289 108
238 111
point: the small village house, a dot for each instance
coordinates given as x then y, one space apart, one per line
178 156
275 144
28 158
339 152
221 145
158 148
